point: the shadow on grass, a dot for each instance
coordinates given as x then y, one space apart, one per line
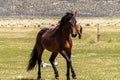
25 79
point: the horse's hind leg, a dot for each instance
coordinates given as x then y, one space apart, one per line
39 61
52 61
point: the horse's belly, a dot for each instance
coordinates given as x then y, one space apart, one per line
50 45
52 49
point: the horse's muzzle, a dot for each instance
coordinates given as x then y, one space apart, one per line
74 35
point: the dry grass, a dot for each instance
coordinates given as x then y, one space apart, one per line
91 60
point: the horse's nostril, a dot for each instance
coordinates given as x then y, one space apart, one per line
74 35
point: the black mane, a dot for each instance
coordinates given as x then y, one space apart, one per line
66 18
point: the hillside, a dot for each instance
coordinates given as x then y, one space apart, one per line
56 8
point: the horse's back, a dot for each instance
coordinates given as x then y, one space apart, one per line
42 31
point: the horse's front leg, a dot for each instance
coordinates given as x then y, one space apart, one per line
73 72
64 54
67 56
52 61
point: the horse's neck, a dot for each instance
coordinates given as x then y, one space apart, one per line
62 31
55 30
65 33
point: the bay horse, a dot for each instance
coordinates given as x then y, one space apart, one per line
56 40
79 30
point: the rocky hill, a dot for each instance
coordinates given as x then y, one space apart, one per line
56 8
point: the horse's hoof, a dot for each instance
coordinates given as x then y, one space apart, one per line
68 78
57 76
40 79
74 77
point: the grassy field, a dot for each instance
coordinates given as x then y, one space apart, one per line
92 60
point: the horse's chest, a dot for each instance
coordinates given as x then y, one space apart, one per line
67 44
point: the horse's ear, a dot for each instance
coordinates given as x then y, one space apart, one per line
67 13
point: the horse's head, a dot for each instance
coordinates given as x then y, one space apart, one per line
72 25
79 30
69 21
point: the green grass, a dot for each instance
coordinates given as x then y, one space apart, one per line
91 60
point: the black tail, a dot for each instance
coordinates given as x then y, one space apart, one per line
33 59
34 54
